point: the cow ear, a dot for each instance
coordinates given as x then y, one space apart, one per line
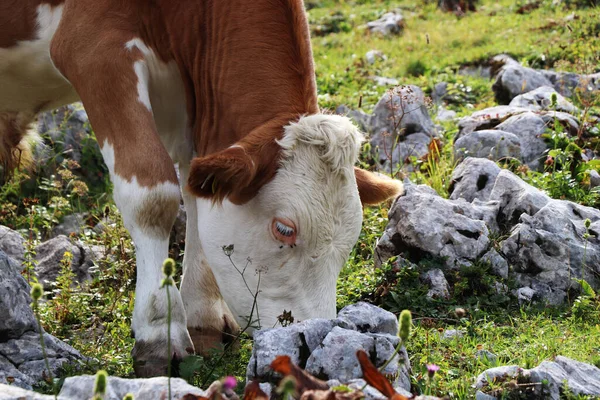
236 173
374 188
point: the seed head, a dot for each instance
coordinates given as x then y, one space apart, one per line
460 312
587 223
168 267
405 323
37 291
128 396
100 384
553 99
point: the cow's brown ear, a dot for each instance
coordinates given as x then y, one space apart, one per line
238 172
374 188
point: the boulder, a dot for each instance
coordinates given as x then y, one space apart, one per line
389 23
473 179
12 243
14 392
528 127
438 285
486 119
513 80
541 99
21 359
71 225
327 348
50 255
490 144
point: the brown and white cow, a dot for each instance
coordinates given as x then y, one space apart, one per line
226 89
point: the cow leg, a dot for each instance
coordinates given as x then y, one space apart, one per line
209 320
112 81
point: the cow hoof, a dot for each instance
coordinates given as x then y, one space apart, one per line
148 362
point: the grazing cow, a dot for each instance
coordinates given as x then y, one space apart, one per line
226 89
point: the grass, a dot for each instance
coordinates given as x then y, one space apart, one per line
95 317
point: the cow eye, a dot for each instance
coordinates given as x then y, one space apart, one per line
284 231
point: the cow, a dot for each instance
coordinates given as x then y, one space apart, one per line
226 90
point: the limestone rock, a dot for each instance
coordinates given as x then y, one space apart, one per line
473 179
389 23
490 144
541 99
12 243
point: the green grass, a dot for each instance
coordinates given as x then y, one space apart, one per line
95 318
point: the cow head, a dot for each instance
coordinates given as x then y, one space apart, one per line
292 210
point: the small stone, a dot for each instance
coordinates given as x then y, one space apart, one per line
525 295
438 285
486 356
452 334
389 23
369 318
497 374
374 55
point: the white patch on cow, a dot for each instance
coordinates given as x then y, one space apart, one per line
160 89
315 188
29 82
150 311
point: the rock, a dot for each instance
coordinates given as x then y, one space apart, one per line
14 392
438 285
490 144
547 249
473 179
594 178
360 118
12 243
81 387
525 295
513 80
450 334
486 356
383 81
515 197
444 115
421 222
566 83
20 351
497 262
497 374
369 318
389 23
327 348
17 317
440 90
581 379
68 125
486 119
528 127
541 99
370 392
50 255
71 225
374 55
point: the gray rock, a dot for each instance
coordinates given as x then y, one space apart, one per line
498 263
373 55
528 127
423 222
14 392
486 356
438 285
516 197
360 118
68 125
483 396
444 115
450 334
547 249
490 144
540 99
10 373
566 83
370 392
513 80
473 179
389 23
497 374
17 317
80 387
525 295
71 225
383 81
594 178
385 346
486 119
12 243
582 379
440 90
369 318
50 254
568 121
336 358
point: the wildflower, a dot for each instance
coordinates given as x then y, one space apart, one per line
549 161
229 383
37 291
432 369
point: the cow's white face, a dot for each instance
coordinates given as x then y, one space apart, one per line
296 233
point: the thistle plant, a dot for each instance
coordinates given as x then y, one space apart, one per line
37 291
100 385
168 270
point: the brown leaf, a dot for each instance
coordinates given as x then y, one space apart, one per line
254 392
375 378
284 365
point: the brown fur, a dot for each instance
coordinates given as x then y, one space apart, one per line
374 189
13 131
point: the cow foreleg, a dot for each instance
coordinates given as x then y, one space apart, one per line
210 322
